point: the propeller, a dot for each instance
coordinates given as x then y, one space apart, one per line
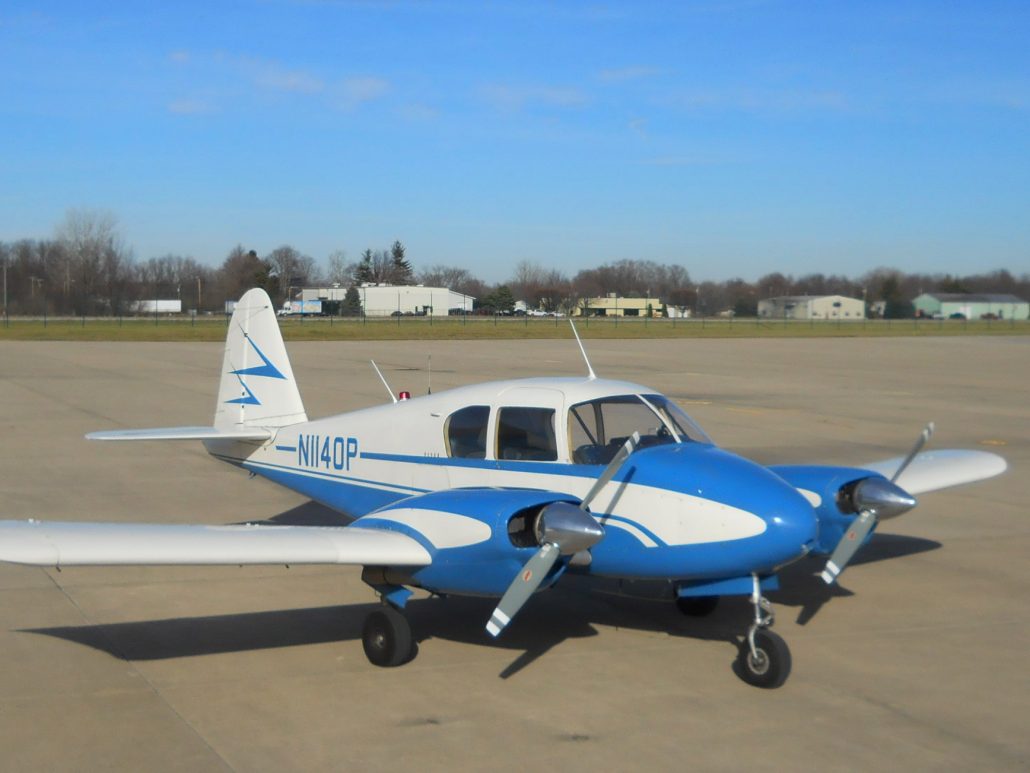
562 529
873 499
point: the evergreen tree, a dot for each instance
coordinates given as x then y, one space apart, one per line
364 273
351 303
401 273
501 300
895 305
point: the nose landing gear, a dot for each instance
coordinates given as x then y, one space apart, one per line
763 659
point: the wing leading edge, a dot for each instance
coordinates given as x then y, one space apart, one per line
110 544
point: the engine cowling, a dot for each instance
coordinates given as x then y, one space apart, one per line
480 538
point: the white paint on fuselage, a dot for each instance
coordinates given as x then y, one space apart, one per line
416 428
813 498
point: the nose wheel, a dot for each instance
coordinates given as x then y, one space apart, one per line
763 659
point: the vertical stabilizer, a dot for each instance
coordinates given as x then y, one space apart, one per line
258 388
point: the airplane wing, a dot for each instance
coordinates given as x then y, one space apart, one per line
932 470
181 433
109 544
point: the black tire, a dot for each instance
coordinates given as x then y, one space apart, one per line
697 606
772 666
387 638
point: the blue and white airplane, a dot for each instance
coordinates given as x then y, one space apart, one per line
502 488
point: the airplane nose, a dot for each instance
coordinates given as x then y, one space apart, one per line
792 528
787 522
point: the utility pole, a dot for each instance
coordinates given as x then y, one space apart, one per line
5 291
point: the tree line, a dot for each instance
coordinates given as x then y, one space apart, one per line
86 269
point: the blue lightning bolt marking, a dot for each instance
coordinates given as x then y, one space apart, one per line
247 399
268 370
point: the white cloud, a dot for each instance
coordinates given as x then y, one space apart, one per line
357 90
190 107
514 98
275 77
180 57
639 127
626 74
417 113
763 101
687 160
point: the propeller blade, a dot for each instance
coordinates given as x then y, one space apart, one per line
847 546
920 442
522 587
613 467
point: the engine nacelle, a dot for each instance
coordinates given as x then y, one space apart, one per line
832 492
480 538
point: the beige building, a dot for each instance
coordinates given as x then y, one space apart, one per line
832 307
613 305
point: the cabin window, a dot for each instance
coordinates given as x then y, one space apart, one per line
527 434
598 428
466 432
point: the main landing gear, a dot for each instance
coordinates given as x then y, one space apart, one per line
763 659
387 638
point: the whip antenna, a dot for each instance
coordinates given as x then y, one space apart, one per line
590 370
383 379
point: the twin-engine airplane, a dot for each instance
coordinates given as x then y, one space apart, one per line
500 489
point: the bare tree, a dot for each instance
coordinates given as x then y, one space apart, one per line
92 261
374 268
241 270
460 280
339 271
289 268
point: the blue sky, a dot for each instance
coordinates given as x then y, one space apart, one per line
734 137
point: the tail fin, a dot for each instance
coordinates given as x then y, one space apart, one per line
257 388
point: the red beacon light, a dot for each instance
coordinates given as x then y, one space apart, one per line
404 395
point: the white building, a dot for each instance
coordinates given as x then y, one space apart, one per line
388 300
832 307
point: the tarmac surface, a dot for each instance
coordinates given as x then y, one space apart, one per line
918 661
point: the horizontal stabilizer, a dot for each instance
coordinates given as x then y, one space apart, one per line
182 433
57 543
932 470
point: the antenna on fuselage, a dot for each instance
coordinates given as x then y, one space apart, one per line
429 391
590 370
383 379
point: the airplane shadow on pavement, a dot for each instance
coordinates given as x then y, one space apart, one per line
801 586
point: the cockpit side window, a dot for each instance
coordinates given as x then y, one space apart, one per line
527 434
465 431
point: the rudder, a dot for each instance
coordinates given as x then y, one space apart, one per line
257 387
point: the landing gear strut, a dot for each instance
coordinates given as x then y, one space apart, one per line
763 659
387 638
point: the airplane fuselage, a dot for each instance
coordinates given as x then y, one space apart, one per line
677 499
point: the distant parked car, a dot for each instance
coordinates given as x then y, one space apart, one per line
957 315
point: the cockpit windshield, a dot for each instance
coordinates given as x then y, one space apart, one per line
598 428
